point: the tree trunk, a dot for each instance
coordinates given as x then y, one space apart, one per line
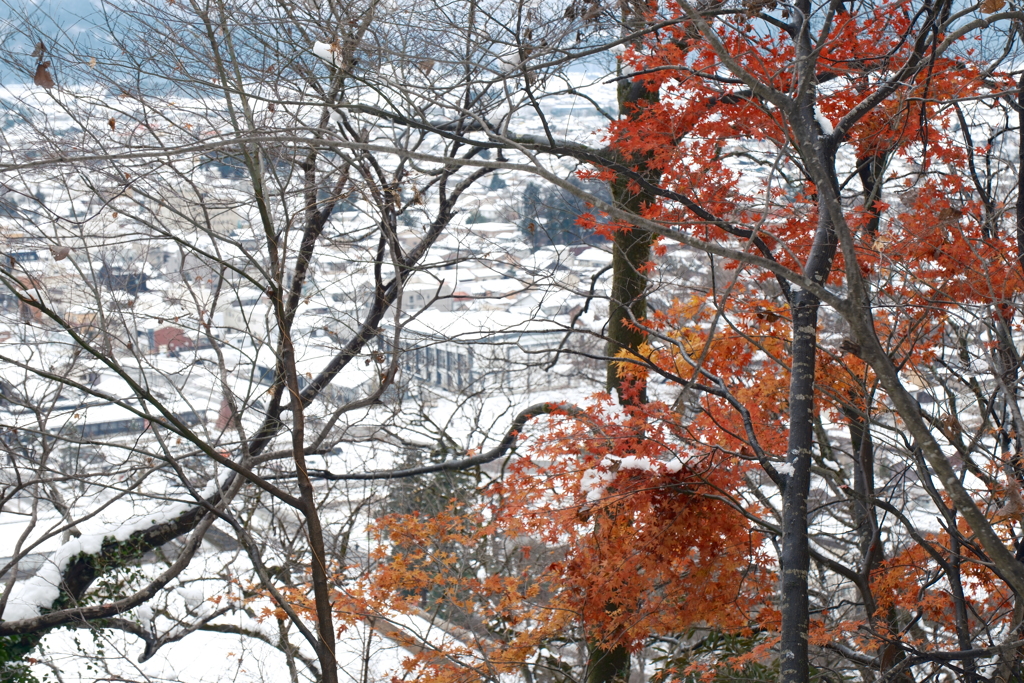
795 559
631 250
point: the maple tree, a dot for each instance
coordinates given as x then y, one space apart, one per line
848 375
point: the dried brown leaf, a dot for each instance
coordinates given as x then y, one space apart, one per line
42 77
59 253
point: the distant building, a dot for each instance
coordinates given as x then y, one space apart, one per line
445 365
170 340
118 278
192 211
422 290
454 350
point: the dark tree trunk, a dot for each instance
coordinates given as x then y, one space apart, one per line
631 250
795 559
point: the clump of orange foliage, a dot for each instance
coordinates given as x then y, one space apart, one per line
605 529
